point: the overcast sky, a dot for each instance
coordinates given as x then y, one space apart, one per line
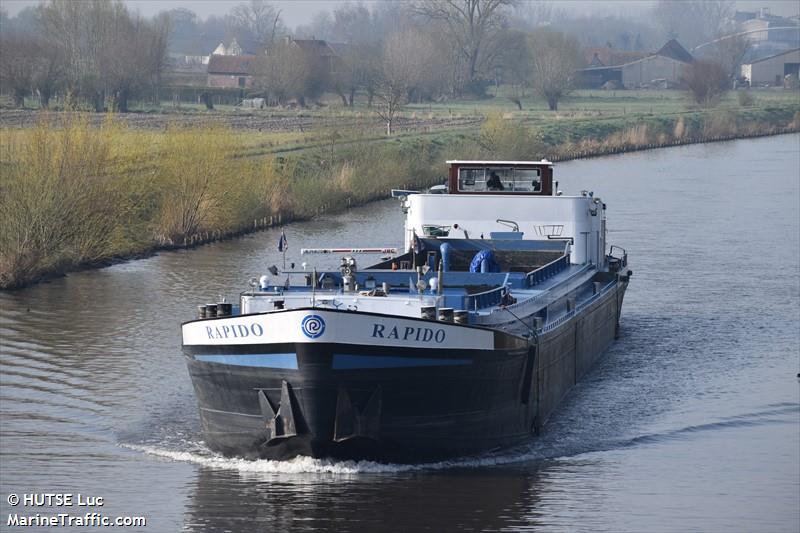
300 11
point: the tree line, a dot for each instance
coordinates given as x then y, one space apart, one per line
89 50
97 49
430 50
99 52
435 50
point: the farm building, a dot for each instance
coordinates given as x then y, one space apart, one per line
653 71
661 69
323 53
230 71
247 48
763 27
773 70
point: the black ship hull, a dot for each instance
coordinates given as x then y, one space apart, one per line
398 413
278 400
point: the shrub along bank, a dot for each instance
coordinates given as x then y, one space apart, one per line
73 195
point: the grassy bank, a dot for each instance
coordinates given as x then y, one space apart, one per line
74 194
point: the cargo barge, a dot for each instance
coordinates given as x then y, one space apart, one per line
464 341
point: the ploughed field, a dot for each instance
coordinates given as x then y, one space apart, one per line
259 121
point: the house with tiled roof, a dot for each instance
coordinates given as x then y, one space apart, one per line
316 47
231 71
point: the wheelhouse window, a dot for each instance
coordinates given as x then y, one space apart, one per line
527 180
471 179
499 179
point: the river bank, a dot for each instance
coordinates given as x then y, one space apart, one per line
78 195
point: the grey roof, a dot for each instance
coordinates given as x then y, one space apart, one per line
340 49
776 55
674 50
231 65
314 46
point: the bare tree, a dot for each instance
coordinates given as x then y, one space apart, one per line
29 62
554 58
120 62
514 66
472 27
706 81
260 20
320 27
347 72
729 52
358 62
16 67
104 50
132 56
370 59
400 71
430 78
155 53
289 71
532 14
280 73
352 23
81 28
48 71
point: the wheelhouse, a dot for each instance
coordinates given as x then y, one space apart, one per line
500 177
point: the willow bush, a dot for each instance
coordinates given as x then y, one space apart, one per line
57 204
502 138
195 179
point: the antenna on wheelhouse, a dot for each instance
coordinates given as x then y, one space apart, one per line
314 287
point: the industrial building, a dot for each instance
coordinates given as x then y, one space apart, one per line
779 70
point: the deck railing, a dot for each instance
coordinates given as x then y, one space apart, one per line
481 300
589 301
621 262
547 271
493 297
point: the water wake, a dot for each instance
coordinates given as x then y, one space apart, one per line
546 447
307 465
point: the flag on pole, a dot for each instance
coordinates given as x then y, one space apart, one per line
283 244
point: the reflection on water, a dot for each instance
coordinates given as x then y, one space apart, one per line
690 421
462 499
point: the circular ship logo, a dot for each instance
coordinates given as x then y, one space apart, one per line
313 326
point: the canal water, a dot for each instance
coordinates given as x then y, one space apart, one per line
691 421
